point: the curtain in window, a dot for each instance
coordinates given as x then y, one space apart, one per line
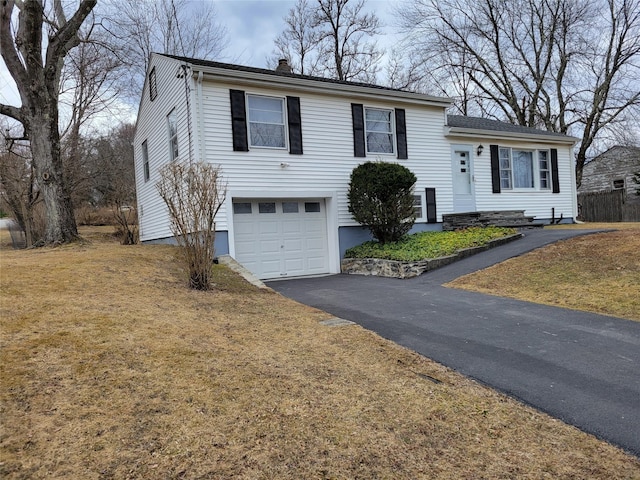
522 169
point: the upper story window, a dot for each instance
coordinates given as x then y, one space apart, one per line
266 121
153 85
618 183
145 160
173 134
518 170
378 124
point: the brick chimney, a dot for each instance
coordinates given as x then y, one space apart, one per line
283 66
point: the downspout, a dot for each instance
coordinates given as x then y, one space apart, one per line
201 140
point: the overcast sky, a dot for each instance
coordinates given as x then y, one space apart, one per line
252 26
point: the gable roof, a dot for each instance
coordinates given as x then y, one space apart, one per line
476 126
241 74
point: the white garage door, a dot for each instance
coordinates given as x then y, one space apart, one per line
281 238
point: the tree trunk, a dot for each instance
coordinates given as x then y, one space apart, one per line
45 147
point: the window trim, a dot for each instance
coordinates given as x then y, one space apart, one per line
285 124
145 161
419 197
621 184
547 170
153 84
392 130
172 121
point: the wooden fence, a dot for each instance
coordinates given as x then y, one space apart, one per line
607 206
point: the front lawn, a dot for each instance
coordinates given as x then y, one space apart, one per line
111 368
424 245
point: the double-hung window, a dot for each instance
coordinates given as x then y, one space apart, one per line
524 169
379 130
266 121
173 135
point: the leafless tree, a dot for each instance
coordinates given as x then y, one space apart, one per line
89 87
37 75
298 42
570 66
19 192
176 27
193 193
331 38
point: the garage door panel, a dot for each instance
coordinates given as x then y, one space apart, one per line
293 245
269 268
267 247
290 240
292 226
268 227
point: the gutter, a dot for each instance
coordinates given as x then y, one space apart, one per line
454 132
201 142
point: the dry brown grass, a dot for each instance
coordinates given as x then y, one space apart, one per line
111 368
596 273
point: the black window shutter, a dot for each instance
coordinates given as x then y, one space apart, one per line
431 205
357 113
555 181
295 125
239 121
495 168
401 134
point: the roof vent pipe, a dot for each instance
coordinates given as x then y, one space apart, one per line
283 66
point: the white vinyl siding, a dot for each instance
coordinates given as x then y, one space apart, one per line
328 160
152 128
537 203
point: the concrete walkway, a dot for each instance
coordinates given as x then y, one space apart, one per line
579 367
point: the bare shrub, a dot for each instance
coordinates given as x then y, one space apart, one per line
126 223
193 193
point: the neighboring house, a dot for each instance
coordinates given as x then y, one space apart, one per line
613 170
287 145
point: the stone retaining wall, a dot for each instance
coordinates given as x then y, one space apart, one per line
397 269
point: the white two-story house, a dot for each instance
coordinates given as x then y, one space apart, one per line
287 145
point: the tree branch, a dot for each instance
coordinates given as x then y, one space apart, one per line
8 48
11 111
66 38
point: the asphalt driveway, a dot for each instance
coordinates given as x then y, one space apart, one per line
579 367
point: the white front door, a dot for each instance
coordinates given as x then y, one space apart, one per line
281 238
462 175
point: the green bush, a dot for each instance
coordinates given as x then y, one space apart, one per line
424 245
381 198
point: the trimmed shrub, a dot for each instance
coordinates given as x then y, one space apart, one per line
381 198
